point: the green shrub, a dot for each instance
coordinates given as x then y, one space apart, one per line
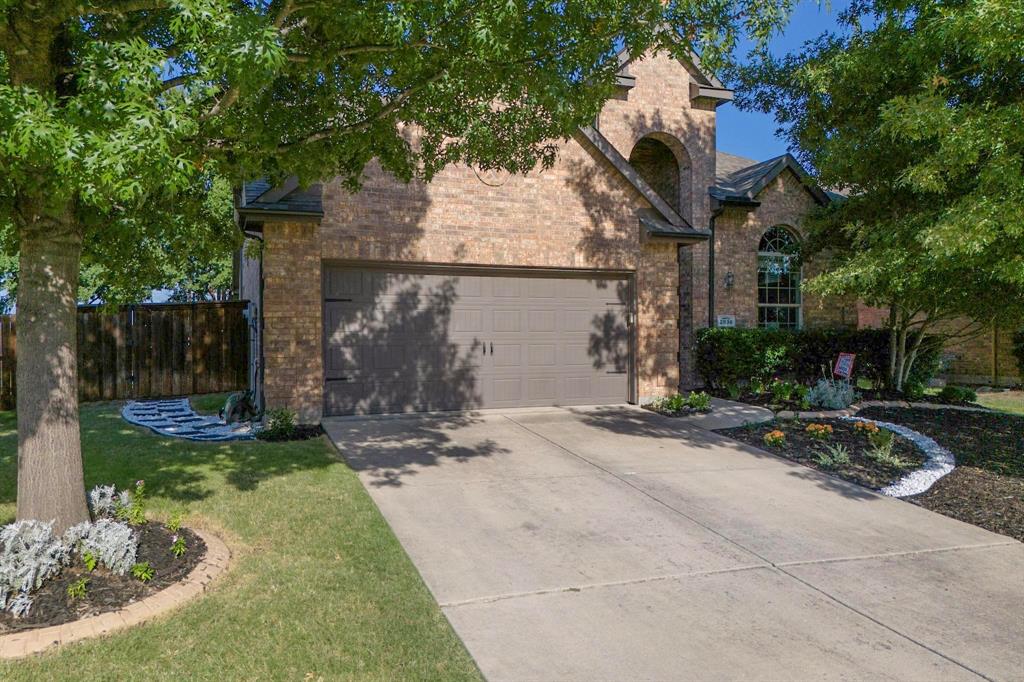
782 391
833 455
882 450
957 394
673 403
732 356
882 438
913 390
699 400
280 425
131 506
143 572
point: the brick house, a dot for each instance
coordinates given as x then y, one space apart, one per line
579 284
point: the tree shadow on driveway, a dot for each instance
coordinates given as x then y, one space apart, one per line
392 449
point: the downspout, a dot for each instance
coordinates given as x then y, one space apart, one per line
716 211
256 326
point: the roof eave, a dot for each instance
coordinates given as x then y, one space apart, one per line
708 94
681 234
278 214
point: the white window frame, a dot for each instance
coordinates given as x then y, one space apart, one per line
785 264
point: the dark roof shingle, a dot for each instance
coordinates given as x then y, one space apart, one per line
739 179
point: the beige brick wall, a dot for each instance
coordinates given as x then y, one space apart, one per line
737 235
292 332
580 214
660 106
971 359
984 359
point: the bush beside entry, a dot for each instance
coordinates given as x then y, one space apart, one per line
727 357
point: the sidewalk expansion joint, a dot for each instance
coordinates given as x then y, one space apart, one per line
490 599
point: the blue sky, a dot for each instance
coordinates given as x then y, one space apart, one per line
753 134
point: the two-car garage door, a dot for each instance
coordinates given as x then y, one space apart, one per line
410 341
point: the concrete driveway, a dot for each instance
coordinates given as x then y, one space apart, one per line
614 544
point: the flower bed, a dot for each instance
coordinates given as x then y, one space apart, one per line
679 405
105 590
94 567
824 452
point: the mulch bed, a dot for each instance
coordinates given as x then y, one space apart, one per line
767 400
885 394
301 432
107 591
803 448
987 486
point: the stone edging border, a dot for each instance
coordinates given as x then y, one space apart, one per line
939 462
854 409
20 644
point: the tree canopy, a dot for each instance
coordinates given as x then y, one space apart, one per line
113 110
183 248
913 110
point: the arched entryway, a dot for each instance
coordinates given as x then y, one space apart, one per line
664 164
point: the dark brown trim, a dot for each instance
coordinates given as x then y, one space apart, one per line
478 268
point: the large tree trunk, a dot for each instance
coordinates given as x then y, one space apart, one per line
50 480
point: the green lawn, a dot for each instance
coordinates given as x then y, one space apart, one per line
319 587
208 403
1007 401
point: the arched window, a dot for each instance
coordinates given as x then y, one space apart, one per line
778 280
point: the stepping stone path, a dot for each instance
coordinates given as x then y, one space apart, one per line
176 418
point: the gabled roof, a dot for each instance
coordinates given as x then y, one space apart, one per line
288 198
706 87
740 180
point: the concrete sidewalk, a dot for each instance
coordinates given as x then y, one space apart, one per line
612 543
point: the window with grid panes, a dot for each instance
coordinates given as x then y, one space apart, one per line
778 280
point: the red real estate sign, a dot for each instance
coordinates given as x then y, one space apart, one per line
844 365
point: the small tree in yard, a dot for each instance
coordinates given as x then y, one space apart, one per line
112 109
918 119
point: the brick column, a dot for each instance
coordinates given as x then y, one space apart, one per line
292 326
687 376
657 320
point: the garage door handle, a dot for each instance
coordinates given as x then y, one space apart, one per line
492 348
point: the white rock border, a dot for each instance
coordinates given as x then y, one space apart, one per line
939 462
28 642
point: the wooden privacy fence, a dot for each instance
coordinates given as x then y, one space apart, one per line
149 351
